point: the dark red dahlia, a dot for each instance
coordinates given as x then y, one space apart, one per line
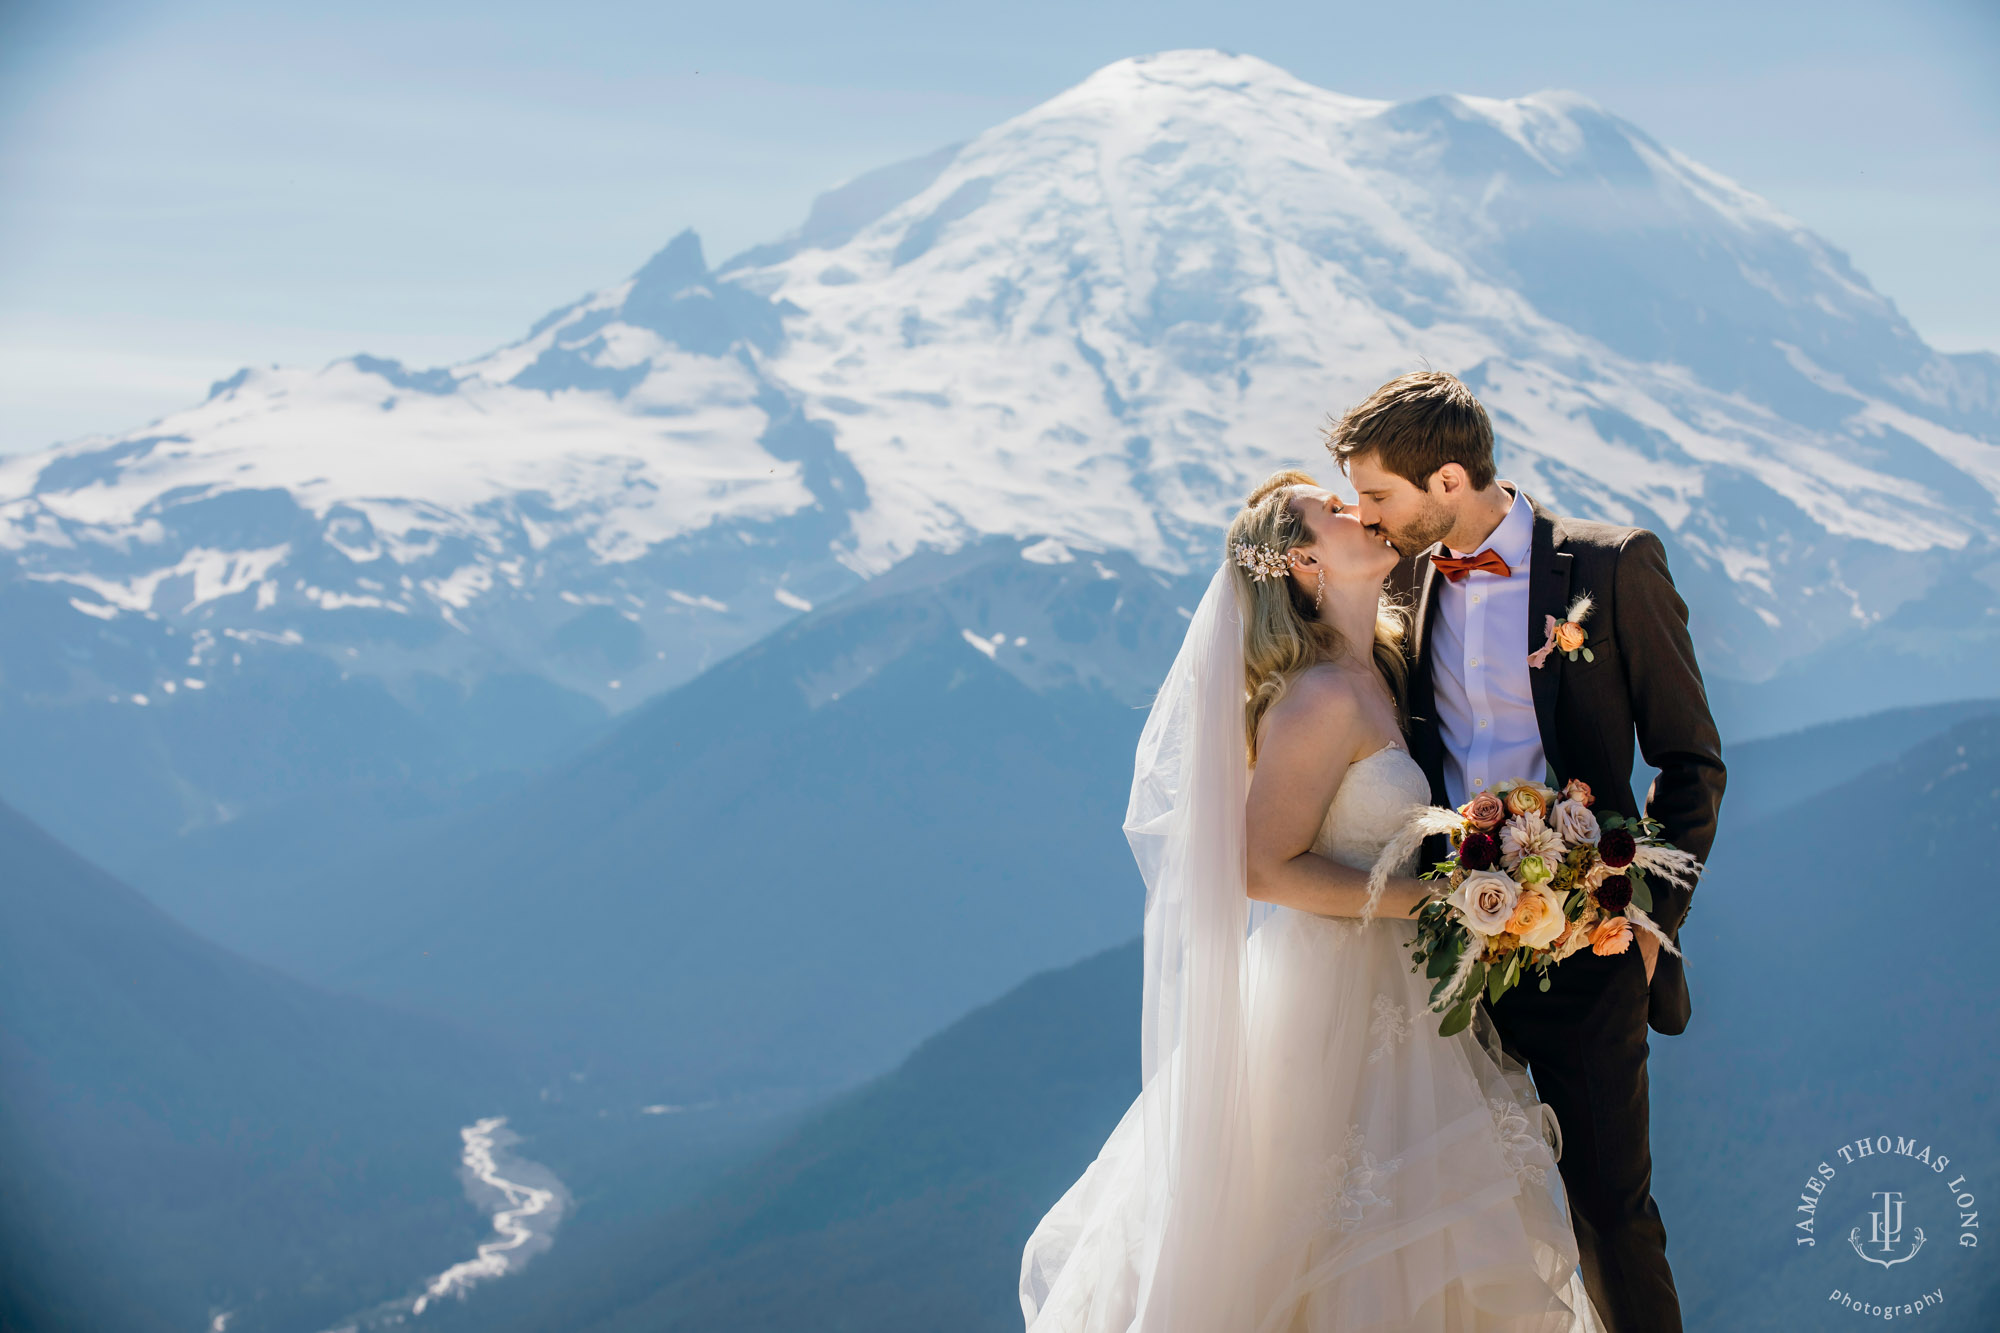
1479 851
1615 893
1617 848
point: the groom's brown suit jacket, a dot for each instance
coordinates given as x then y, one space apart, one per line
1643 684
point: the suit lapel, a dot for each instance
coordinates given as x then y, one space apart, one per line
1426 600
1548 595
1426 741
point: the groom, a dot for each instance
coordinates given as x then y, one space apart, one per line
1483 568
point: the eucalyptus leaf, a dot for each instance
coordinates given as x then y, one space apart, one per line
1457 1020
1588 656
1444 959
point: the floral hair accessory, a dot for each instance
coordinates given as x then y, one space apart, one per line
1261 561
1566 634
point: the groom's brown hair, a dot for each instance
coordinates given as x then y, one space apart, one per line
1414 425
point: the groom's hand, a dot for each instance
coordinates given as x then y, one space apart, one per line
1649 952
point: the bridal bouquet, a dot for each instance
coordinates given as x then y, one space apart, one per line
1534 876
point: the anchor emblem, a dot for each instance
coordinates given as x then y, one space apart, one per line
1885 1228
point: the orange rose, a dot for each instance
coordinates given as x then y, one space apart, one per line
1569 636
1525 800
1579 791
1612 936
1537 918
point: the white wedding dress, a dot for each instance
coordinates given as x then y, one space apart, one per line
1372 1175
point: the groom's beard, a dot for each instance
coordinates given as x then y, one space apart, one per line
1431 525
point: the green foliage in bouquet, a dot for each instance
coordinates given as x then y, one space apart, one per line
1534 876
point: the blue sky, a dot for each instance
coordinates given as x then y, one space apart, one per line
190 187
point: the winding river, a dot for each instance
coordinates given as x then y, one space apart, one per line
527 1201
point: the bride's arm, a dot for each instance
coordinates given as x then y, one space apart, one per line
1302 756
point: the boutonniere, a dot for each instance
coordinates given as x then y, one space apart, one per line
1565 635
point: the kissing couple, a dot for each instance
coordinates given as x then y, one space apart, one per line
1307 1153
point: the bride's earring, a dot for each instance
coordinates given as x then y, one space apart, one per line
1319 588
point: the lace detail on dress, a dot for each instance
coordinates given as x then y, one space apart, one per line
1371 806
1519 1143
1354 1181
1390 1027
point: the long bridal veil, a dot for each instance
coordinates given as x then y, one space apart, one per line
1185 824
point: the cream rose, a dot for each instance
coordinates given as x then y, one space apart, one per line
1485 899
1574 823
1537 918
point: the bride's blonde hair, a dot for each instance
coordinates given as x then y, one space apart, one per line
1282 634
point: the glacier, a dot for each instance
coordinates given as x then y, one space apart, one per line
1085 332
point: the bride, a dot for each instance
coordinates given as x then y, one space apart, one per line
1307 1155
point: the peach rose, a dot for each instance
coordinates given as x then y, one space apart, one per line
1484 811
1613 935
1579 791
1537 919
1525 800
1569 636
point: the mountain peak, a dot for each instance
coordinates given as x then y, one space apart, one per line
1098 324
1198 67
670 272
1167 82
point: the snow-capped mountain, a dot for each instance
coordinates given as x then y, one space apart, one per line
1088 330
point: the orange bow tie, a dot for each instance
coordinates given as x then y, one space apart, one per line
1456 569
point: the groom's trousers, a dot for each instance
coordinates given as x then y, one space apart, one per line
1584 1042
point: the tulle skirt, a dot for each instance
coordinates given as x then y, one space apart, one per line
1400 1180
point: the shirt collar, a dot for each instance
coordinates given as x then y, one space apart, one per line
1513 540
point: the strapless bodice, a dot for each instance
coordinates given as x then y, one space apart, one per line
1371 806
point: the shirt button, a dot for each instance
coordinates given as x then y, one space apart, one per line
1482 721
1475 661
1475 599
1479 782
